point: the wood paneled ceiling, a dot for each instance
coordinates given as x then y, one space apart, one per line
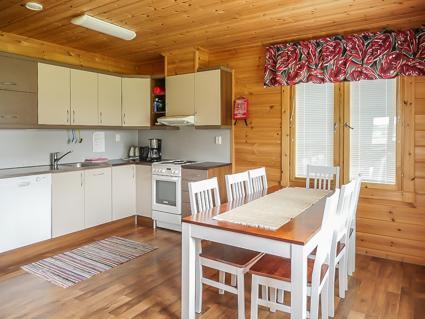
166 25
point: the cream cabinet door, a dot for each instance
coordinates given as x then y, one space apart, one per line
144 190
208 98
84 97
123 191
67 203
136 103
180 94
109 97
54 91
97 196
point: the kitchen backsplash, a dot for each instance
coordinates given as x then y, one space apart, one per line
191 144
30 147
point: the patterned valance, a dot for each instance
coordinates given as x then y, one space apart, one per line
364 56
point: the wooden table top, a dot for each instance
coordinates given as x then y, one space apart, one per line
298 231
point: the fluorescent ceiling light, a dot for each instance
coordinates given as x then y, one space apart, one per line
34 6
96 24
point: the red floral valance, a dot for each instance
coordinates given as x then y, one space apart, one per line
364 56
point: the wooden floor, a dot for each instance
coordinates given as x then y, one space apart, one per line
149 287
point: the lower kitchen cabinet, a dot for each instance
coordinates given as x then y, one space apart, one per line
123 191
97 196
144 190
67 203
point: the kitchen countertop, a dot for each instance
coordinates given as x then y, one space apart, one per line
205 165
47 169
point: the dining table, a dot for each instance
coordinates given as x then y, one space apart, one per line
295 240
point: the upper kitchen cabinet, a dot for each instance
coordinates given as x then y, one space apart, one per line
84 97
18 91
213 98
54 89
136 102
109 98
180 94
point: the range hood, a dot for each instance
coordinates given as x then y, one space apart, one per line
184 120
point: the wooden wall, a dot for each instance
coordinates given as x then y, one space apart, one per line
259 143
393 229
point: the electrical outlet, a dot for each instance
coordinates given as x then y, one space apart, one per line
117 138
218 140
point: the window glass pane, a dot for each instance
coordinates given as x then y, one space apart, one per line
373 139
314 126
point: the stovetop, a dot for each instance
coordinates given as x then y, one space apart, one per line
169 168
175 162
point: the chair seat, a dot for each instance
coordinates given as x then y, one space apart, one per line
237 257
280 268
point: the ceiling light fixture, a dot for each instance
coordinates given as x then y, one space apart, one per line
34 6
96 24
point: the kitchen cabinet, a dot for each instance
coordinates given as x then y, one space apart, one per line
123 191
84 97
213 98
180 94
136 102
25 211
67 203
109 98
18 74
18 108
97 196
54 89
144 190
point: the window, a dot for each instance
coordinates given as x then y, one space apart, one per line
314 126
373 109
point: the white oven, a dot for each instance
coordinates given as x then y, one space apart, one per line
166 193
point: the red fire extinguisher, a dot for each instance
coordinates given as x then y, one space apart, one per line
240 110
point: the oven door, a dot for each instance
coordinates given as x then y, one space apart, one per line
166 194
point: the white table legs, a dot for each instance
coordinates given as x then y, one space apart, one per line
299 282
188 272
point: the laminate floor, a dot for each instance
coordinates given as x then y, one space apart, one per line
149 287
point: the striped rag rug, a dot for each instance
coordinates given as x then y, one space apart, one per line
69 268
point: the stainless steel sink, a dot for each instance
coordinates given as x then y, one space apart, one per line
79 165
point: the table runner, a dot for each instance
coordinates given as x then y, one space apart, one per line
274 210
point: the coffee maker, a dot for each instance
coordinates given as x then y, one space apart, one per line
154 154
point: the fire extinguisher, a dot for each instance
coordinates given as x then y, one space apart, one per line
240 110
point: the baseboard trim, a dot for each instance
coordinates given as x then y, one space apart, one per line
144 221
11 260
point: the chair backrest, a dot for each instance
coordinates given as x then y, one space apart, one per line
204 195
355 199
258 179
322 177
344 210
327 232
238 186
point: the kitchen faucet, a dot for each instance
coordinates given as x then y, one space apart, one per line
55 158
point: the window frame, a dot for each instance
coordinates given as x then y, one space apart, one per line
342 138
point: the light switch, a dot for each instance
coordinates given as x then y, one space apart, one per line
218 140
117 138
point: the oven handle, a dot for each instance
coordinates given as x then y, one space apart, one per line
166 178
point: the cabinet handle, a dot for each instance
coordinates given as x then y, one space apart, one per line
7 83
24 184
99 174
73 116
100 117
81 175
67 116
124 118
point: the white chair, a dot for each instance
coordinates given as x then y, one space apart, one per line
322 177
204 195
352 232
258 179
275 272
238 186
339 249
